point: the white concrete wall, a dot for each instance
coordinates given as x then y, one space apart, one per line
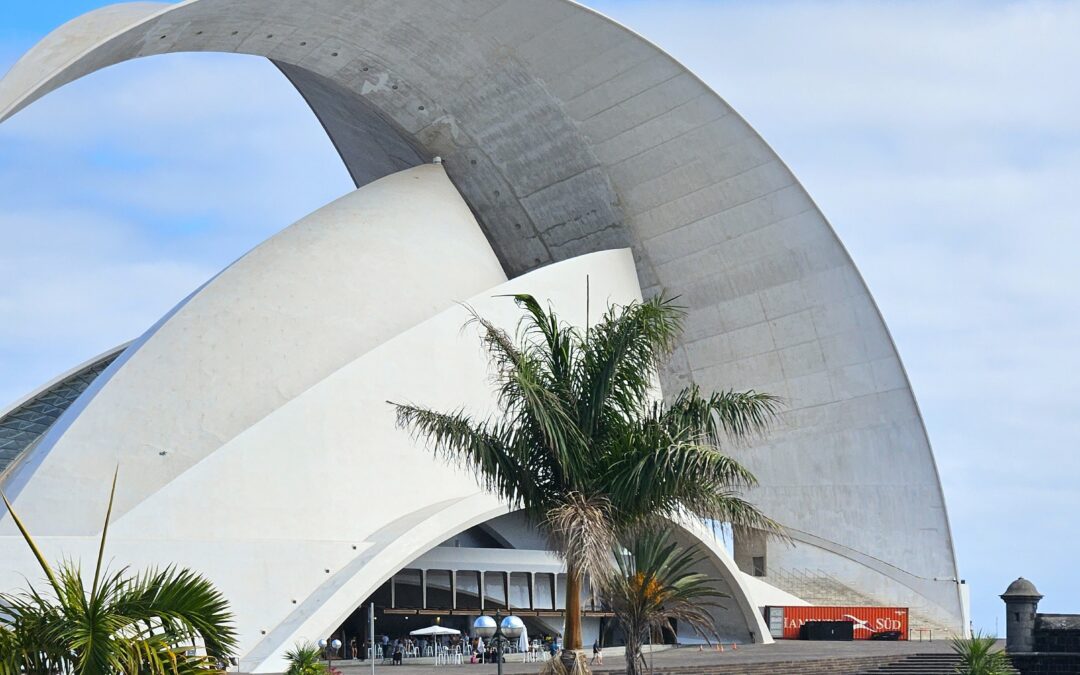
284 478
310 299
568 134
763 594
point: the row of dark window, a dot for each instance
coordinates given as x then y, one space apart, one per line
461 589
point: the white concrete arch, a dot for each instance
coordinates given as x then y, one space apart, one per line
279 515
565 133
317 295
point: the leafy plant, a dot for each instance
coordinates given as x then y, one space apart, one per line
980 656
305 659
583 446
654 587
160 622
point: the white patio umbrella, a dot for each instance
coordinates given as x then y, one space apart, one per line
523 641
435 630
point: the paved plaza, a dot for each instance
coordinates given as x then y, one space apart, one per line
686 659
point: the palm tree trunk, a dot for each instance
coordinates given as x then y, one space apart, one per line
633 653
572 639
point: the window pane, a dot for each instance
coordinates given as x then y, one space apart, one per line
407 591
438 589
560 592
586 594
545 593
494 590
519 590
468 589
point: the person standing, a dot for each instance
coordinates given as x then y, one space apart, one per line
597 653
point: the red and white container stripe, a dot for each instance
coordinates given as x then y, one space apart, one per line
786 622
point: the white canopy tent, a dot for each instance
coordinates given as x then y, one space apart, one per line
435 630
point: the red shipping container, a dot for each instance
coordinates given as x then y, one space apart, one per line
785 622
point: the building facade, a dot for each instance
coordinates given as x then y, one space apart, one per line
251 420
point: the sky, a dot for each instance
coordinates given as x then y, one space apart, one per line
941 139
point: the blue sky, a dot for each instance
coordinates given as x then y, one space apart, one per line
941 140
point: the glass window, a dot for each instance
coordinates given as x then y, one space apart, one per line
494 590
439 593
468 589
586 594
545 590
407 590
519 590
381 596
560 592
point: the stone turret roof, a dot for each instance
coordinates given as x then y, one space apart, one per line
1021 588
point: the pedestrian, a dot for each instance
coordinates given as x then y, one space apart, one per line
352 649
597 653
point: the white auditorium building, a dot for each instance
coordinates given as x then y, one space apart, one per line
250 423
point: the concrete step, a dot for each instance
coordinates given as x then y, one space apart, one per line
919 664
828 666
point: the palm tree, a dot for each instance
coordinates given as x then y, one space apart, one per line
162 622
583 447
655 586
980 656
305 659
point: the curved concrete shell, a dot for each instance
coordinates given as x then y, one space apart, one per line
27 420
567 134
250 420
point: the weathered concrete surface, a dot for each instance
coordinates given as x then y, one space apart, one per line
566 134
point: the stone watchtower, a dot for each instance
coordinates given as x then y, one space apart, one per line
1021 599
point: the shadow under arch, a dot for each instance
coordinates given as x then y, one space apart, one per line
411 535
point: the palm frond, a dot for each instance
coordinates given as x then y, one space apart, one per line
720 416
617 372
980 655
181 603
558 341
581 444
104 533
305 659
29 540
162 623
493 452
579 527
654 586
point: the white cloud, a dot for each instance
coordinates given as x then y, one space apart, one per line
123 192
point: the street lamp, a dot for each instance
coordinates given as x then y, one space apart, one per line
333 647
500 631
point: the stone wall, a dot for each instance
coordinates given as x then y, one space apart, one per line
1057 633
1057 647
1046 664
